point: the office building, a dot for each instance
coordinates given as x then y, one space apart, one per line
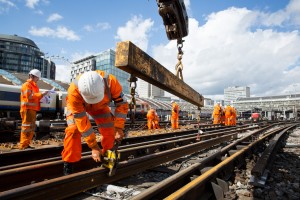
104 61
19 54
147 90
232 93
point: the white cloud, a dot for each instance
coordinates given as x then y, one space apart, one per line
39 12
31 3
103 25
136 30
54 17
228 50
60 32
5 5
88 28
63 73
288 16
63 68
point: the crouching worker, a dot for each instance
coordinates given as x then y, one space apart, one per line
91 93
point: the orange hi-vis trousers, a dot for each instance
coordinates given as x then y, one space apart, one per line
174 122
72 142
27 127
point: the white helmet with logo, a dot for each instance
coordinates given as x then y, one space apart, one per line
35 72
91 87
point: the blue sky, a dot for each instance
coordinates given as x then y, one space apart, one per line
251 43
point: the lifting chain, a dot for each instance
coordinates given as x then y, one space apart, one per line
179 65
132 104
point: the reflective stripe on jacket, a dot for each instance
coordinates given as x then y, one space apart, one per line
30 96
78 107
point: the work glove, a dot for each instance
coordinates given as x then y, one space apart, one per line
119 134
96 152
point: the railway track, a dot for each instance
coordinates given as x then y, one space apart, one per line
135 158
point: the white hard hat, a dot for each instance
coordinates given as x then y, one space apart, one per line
35 72
91 87
172 101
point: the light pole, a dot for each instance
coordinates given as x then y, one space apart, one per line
43 66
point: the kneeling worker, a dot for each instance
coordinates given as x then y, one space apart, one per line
91 93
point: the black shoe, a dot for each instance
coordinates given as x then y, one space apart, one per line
68 168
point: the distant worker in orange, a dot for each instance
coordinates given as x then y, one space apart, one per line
30 103
175 115
233 116
228 115
217 114
91 93
150 119
156 121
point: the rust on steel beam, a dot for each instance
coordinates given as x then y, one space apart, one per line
135 61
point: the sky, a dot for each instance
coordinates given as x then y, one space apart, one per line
254 43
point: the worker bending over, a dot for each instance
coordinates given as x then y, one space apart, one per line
91 93
150 119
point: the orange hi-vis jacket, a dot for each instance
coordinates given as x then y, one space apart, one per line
78 108
150 118
30 96
217 114
228 115
175 110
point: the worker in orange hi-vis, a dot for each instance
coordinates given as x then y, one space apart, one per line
228 115
175 115
91 93
150 119
233 115
156 121
30 103
217 114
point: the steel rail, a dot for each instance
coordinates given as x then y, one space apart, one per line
188 190
24 175
178 180
10 158
66 186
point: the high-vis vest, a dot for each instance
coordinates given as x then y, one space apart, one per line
78 107
30 96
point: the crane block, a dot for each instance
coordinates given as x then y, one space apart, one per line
175 18
135 61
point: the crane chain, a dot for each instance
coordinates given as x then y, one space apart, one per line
179 65
132 104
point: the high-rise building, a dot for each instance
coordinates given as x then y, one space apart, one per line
19 54
104 61
147 90
232 93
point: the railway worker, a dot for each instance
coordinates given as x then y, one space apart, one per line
30 103
91 93
233 115
228 115
175 115
150 119
217 114
156 121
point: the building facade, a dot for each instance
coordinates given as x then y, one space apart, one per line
104 61
232 93
271 107
147 90
19 54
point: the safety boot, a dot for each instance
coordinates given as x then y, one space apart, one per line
68 168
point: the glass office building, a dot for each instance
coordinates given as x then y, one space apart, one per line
19 54
104 61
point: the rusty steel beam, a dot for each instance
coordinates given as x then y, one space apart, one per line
133 60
